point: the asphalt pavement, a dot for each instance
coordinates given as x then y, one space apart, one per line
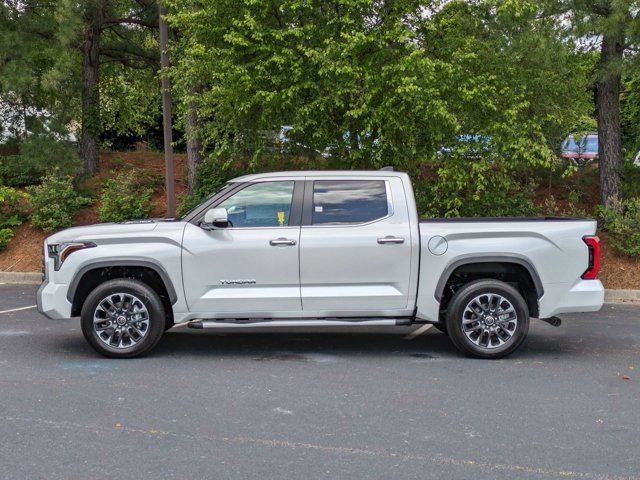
375 403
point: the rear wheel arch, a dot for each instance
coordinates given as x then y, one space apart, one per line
516 271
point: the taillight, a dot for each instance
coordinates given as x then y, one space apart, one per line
593 244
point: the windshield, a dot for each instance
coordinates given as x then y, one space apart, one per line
591 144
195 208
570 145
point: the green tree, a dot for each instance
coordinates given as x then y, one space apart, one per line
612 29
54 51
379 82
38 69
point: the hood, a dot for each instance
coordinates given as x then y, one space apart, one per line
103 231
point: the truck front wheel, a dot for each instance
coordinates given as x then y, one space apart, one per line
487 319
123 318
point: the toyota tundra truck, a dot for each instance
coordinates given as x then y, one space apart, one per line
320 249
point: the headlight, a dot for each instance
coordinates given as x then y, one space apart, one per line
61 251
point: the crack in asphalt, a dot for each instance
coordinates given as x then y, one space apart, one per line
440 460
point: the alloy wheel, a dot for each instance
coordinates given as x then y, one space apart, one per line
121 320
489 321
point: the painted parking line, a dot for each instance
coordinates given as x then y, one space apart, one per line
418 331
18 309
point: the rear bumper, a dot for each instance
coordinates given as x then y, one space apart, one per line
52 300
583 296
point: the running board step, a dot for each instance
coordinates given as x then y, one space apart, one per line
312 322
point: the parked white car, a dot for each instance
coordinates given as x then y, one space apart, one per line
321 249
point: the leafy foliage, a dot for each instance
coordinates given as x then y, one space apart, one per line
130 102
373 83
475 187
216 170
127 195
55 201
14 205
364 83
630 180
622 222
37 155
6 234
630 115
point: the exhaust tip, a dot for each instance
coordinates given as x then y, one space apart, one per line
553 321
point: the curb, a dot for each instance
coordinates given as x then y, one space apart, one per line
622 296
24 278
35 278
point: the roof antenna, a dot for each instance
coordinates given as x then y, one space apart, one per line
387 169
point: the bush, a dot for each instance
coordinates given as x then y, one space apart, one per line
14 206
127 195
474 188
55 201
6 234
215 171
630 184
572 208
38 154
622 222
13 209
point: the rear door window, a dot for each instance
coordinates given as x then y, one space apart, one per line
340 202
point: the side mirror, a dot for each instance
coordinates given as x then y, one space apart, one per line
215 218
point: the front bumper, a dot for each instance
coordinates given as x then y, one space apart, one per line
52 300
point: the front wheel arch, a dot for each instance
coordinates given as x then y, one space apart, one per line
93 275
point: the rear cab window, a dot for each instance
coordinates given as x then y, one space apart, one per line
348 202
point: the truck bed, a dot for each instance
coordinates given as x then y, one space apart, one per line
550 248
505 219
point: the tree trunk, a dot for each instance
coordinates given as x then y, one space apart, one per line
90 91
194 145
608 105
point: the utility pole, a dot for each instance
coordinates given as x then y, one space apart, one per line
166 113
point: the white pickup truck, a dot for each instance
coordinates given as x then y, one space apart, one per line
320 249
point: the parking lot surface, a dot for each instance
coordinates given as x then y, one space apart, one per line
375 403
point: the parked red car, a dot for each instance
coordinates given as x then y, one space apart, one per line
581 150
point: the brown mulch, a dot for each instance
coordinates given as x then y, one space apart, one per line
24 253
618 271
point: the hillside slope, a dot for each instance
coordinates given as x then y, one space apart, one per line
24 253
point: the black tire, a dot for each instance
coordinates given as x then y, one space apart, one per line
456 312
442 326
150 300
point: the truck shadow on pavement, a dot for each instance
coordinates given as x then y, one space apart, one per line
315 346
328 346
298 346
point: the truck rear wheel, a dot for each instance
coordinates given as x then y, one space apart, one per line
487 319
123 318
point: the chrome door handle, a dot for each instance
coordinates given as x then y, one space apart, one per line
385 240
281 241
